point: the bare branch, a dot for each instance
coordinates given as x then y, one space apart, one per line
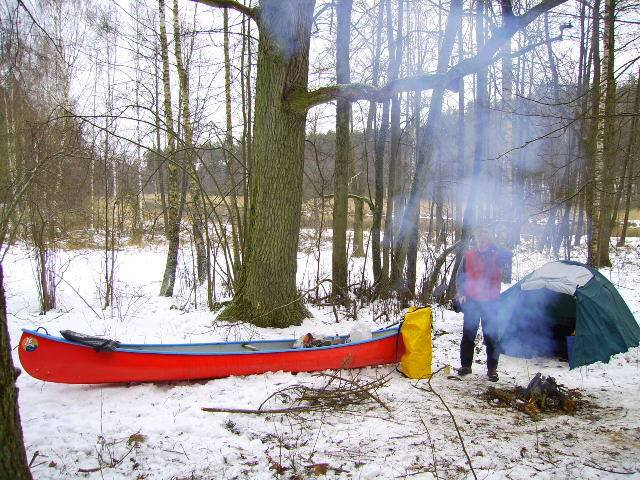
232 4
301 100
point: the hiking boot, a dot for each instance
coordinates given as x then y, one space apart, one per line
462 371
492 375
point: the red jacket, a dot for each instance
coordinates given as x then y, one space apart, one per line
480 275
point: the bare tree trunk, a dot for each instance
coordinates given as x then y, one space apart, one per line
395 54
359 164
109 160
160 161
343 155
411 214
13 458
380 140
197 217
593 208
229 155
605 152
460 132
174 183
628 169
584 64
480 115
136 225
579 222
247 139
514 195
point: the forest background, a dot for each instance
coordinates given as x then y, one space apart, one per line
395 127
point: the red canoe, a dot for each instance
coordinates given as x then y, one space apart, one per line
54 359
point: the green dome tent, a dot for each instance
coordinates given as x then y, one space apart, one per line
565 309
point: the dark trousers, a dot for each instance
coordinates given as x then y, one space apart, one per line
474 312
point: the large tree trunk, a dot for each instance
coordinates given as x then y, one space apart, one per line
13 458
267 293
343 155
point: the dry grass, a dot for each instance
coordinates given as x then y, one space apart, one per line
81 237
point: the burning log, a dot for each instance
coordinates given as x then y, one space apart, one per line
546 393
543 394
510 398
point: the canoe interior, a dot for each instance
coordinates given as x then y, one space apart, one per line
249 346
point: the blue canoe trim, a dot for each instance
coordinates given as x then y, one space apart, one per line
386 333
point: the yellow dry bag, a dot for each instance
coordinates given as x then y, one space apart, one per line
416 336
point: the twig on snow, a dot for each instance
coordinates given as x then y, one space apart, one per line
610 470
33 459
453 419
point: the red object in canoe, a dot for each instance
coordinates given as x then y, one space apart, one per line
54 359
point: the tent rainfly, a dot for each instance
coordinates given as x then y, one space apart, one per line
566 309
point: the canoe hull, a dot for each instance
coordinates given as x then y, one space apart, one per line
53 359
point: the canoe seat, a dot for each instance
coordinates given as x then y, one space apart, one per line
99 344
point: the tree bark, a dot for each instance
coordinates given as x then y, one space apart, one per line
343 155
13 458
395 48
267 294
380 140
604 152
174 188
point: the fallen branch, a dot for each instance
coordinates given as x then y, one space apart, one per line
336 394
453 419
89 470
364 389
257 411
610 470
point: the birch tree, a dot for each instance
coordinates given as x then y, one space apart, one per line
174 207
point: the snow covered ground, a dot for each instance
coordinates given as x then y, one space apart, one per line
158 431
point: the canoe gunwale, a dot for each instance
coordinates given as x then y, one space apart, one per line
383 334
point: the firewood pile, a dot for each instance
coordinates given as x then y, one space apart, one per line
334 393
542 395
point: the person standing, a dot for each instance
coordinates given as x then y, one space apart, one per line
478 284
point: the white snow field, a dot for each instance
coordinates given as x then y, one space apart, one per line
158 431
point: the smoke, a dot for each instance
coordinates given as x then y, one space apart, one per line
535 323
522 148
287 24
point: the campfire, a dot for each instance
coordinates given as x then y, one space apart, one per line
542 395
